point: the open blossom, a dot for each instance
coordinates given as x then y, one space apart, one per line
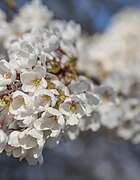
25 56
90 101
109 108
91 122
51 119
129 129
33 80
24 21
131 108
22 121
73 109
44 98
51 40
118 80
7 74
130 124
106 93
72 132
21 103
81 86
110 115
70 31
21 143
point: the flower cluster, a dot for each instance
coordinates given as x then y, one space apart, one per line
41 95
117 64
33 14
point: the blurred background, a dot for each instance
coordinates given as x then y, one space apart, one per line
93 15
93 156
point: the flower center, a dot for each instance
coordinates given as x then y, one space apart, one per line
50 85
46 98
61 96
53 118
105 96
73 106
128 124
133 107
55 67
21 101
36 82
6 100
7 75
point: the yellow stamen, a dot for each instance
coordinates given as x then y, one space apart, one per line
73 106
7 75
46 98
61 96
50 84
21 101
6 100
36 82
55 67
105 96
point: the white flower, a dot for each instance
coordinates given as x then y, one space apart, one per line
118 81
22 104
90 102
33 14
106 93
22 121
131 108
31 138
73 109
91 122
51 119
27 143
50 40
26 139
24 56
13 139
44 98
31 81
54 83
110 115
70 31
17 152
79 87
128 129
7 74
72 132
3 140
130 124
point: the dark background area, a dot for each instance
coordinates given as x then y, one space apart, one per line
93 156
93 15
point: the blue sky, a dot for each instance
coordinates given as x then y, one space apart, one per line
94 15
